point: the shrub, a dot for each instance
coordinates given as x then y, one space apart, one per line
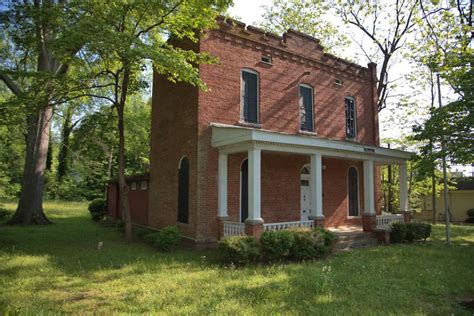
4 214
98 208
140 233
239 249
470 212
409 232
120 225
329 237
470 220
165 239
398 233
276 245
308 244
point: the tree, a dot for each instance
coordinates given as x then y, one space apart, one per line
37 52
127 35
386 25
307 17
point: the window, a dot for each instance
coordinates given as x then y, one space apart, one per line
306 108
183 191
134 186
350 118
267 60
249 96
143 185
353 191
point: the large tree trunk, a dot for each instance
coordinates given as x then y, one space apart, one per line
30 206
123 187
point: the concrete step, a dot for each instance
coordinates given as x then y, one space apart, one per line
355 240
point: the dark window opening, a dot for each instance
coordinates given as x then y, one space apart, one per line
183 191
250 96
350 118
353 194
244 191
306 109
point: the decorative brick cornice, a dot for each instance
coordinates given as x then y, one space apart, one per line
285 47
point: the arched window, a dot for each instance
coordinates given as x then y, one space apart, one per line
353 191
249 96
183 191
244 190
306 108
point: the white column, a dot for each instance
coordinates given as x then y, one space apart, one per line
369 188
254 155
402 179
222 186
316 187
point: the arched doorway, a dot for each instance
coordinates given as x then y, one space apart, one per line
183 191
244 190
353 191
305 193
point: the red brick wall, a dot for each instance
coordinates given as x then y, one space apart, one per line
174 135
138 200
279 90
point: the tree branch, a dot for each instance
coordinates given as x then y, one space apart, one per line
9 83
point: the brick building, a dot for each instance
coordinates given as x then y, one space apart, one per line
286 135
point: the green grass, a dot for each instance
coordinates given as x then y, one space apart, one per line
57 269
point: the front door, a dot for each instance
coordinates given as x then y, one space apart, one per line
305 200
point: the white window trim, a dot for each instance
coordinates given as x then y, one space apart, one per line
134 186
355 119
312 108
242 117
143 185
358 192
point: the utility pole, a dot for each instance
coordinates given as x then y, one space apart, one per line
445 176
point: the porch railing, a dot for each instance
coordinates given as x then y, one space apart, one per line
286 225
384 221
234 229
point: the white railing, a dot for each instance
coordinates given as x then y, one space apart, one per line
234 229
286 225
384 221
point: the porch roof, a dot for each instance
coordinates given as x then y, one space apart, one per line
233 139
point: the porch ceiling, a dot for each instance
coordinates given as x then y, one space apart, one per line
233 139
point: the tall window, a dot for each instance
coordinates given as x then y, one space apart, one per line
350 118
353 191
183 191
249 96
306 108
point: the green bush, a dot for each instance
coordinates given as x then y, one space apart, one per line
276 245
308 244
329 237
470 220
4 214
470 212
98 209
409 232
120 225
239 249
165 239
140 233
398 233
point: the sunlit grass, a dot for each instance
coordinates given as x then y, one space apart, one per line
58 269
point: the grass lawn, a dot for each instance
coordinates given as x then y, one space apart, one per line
57 269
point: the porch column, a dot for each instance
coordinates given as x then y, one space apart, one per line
254 222
316 187
403 183
222 187
368 217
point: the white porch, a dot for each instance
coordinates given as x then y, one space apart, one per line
230 139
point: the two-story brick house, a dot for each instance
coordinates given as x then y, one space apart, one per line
286 135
